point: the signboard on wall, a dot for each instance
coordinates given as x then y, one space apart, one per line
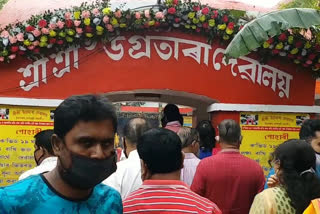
18 126
263 132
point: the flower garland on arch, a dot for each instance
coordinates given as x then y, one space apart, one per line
57 30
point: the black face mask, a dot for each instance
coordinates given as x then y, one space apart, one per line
85 173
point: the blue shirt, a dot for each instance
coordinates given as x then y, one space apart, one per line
204 154
35 195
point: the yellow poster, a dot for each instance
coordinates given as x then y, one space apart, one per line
18 126
263 132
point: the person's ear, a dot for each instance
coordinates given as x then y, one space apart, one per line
56 143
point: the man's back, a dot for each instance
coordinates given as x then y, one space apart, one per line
127 178
35 195
167 196
230 180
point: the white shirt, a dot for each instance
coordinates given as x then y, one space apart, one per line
190 165
127 178
46 165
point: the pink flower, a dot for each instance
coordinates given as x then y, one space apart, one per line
12 56
1 59
45 30
138 15
118 14
96 12
67 15
60 24
35 43
172 10
198 30
159 15
147 14
37 32
31 47
20 37
77 23
4 34
12 39
109 27
106 19
79 30
52 26
85 14
205 11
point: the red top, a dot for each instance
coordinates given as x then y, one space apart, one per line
167 196
229 179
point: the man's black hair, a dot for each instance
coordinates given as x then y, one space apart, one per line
207 135
43 139
309 128
171 113
160 149
82 108
229 132
135 128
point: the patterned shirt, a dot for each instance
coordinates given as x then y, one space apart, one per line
272 201
229 179
35 195
167 196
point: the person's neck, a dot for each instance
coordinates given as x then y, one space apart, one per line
166 176
55 180
130 148
187 150
225 146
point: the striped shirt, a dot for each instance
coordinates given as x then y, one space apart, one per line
167 196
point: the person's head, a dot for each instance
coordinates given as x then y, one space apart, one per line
190 140
294 163
171 113
132 132
160 153
83 140
310 131
207 135
229 133
42 146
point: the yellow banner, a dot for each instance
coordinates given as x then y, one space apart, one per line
18 126
263 132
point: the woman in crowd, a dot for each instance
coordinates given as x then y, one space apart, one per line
207 138
295 184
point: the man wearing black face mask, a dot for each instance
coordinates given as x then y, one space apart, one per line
83 141
43 154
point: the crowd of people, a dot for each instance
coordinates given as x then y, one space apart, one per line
173 169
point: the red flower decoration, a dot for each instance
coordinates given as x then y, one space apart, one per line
52 40
14 49
225 19
205 11
283 37
198 29
157 24
231 25
30 28
196 8
241 26
42 23
88 29
291 56
175 2
312 56
69 23
205 25
299 57
60 42
275 51
36 50
21 52
317 47
172 10
216 13
177 20
299 44
270 41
